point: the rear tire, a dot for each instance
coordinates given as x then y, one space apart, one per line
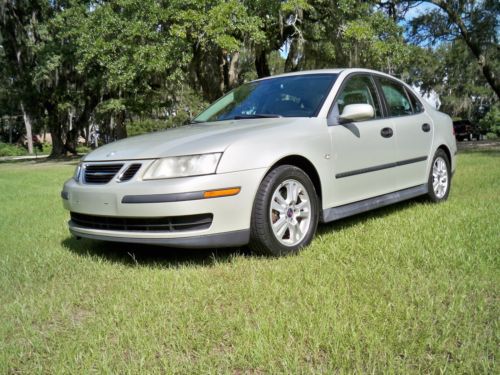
285 212
439 181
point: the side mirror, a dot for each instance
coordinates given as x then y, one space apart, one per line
356 112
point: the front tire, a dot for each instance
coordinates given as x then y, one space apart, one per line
285 212
439 181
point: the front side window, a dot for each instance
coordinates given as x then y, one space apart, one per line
290 96
358 90
395 96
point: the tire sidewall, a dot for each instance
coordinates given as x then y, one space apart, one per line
279 175
432 195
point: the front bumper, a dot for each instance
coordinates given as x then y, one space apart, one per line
228 239
231 214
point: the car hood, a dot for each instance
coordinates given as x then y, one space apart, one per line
186 140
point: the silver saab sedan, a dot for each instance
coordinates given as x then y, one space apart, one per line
265 163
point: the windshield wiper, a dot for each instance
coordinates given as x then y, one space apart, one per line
256 115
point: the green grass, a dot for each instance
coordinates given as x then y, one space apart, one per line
412 288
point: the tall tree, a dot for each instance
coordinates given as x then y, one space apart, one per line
142 46
19 34
358 35
68 97
475 22
40 47
451 72
216 32
281 25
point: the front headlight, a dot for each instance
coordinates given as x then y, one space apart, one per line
183 166
78 170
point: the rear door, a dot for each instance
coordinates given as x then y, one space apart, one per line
414 129
364 151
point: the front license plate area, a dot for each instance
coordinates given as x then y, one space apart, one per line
93 203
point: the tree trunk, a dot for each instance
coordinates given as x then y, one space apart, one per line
233 74
120 127
292 63
27 124
10 132
87 135
208 69
82 122
261 64
56 133
71 136
223 70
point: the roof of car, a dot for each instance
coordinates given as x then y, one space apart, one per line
327 71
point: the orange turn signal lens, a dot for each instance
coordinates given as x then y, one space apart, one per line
221 193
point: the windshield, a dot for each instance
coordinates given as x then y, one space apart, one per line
291 96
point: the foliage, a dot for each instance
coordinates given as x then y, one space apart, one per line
11 150
463 91
474 23
378 42
363 298
148 126
78 64
46 148
457 55
492 136
7 149
339 33
83 149
491 121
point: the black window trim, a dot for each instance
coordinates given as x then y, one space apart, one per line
410 95
375 78
383 110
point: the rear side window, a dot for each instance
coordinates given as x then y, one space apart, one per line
395 96
415 103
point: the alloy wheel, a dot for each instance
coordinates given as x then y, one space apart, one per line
439 177
290 212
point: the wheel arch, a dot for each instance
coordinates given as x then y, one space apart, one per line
449 155
304 164
446 151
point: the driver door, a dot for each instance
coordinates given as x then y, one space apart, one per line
362 151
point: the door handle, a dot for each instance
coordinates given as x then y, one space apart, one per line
386 132
426 127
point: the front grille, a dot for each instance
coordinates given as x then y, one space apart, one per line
130 172
150 224
101 173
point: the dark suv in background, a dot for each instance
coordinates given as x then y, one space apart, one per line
465 130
